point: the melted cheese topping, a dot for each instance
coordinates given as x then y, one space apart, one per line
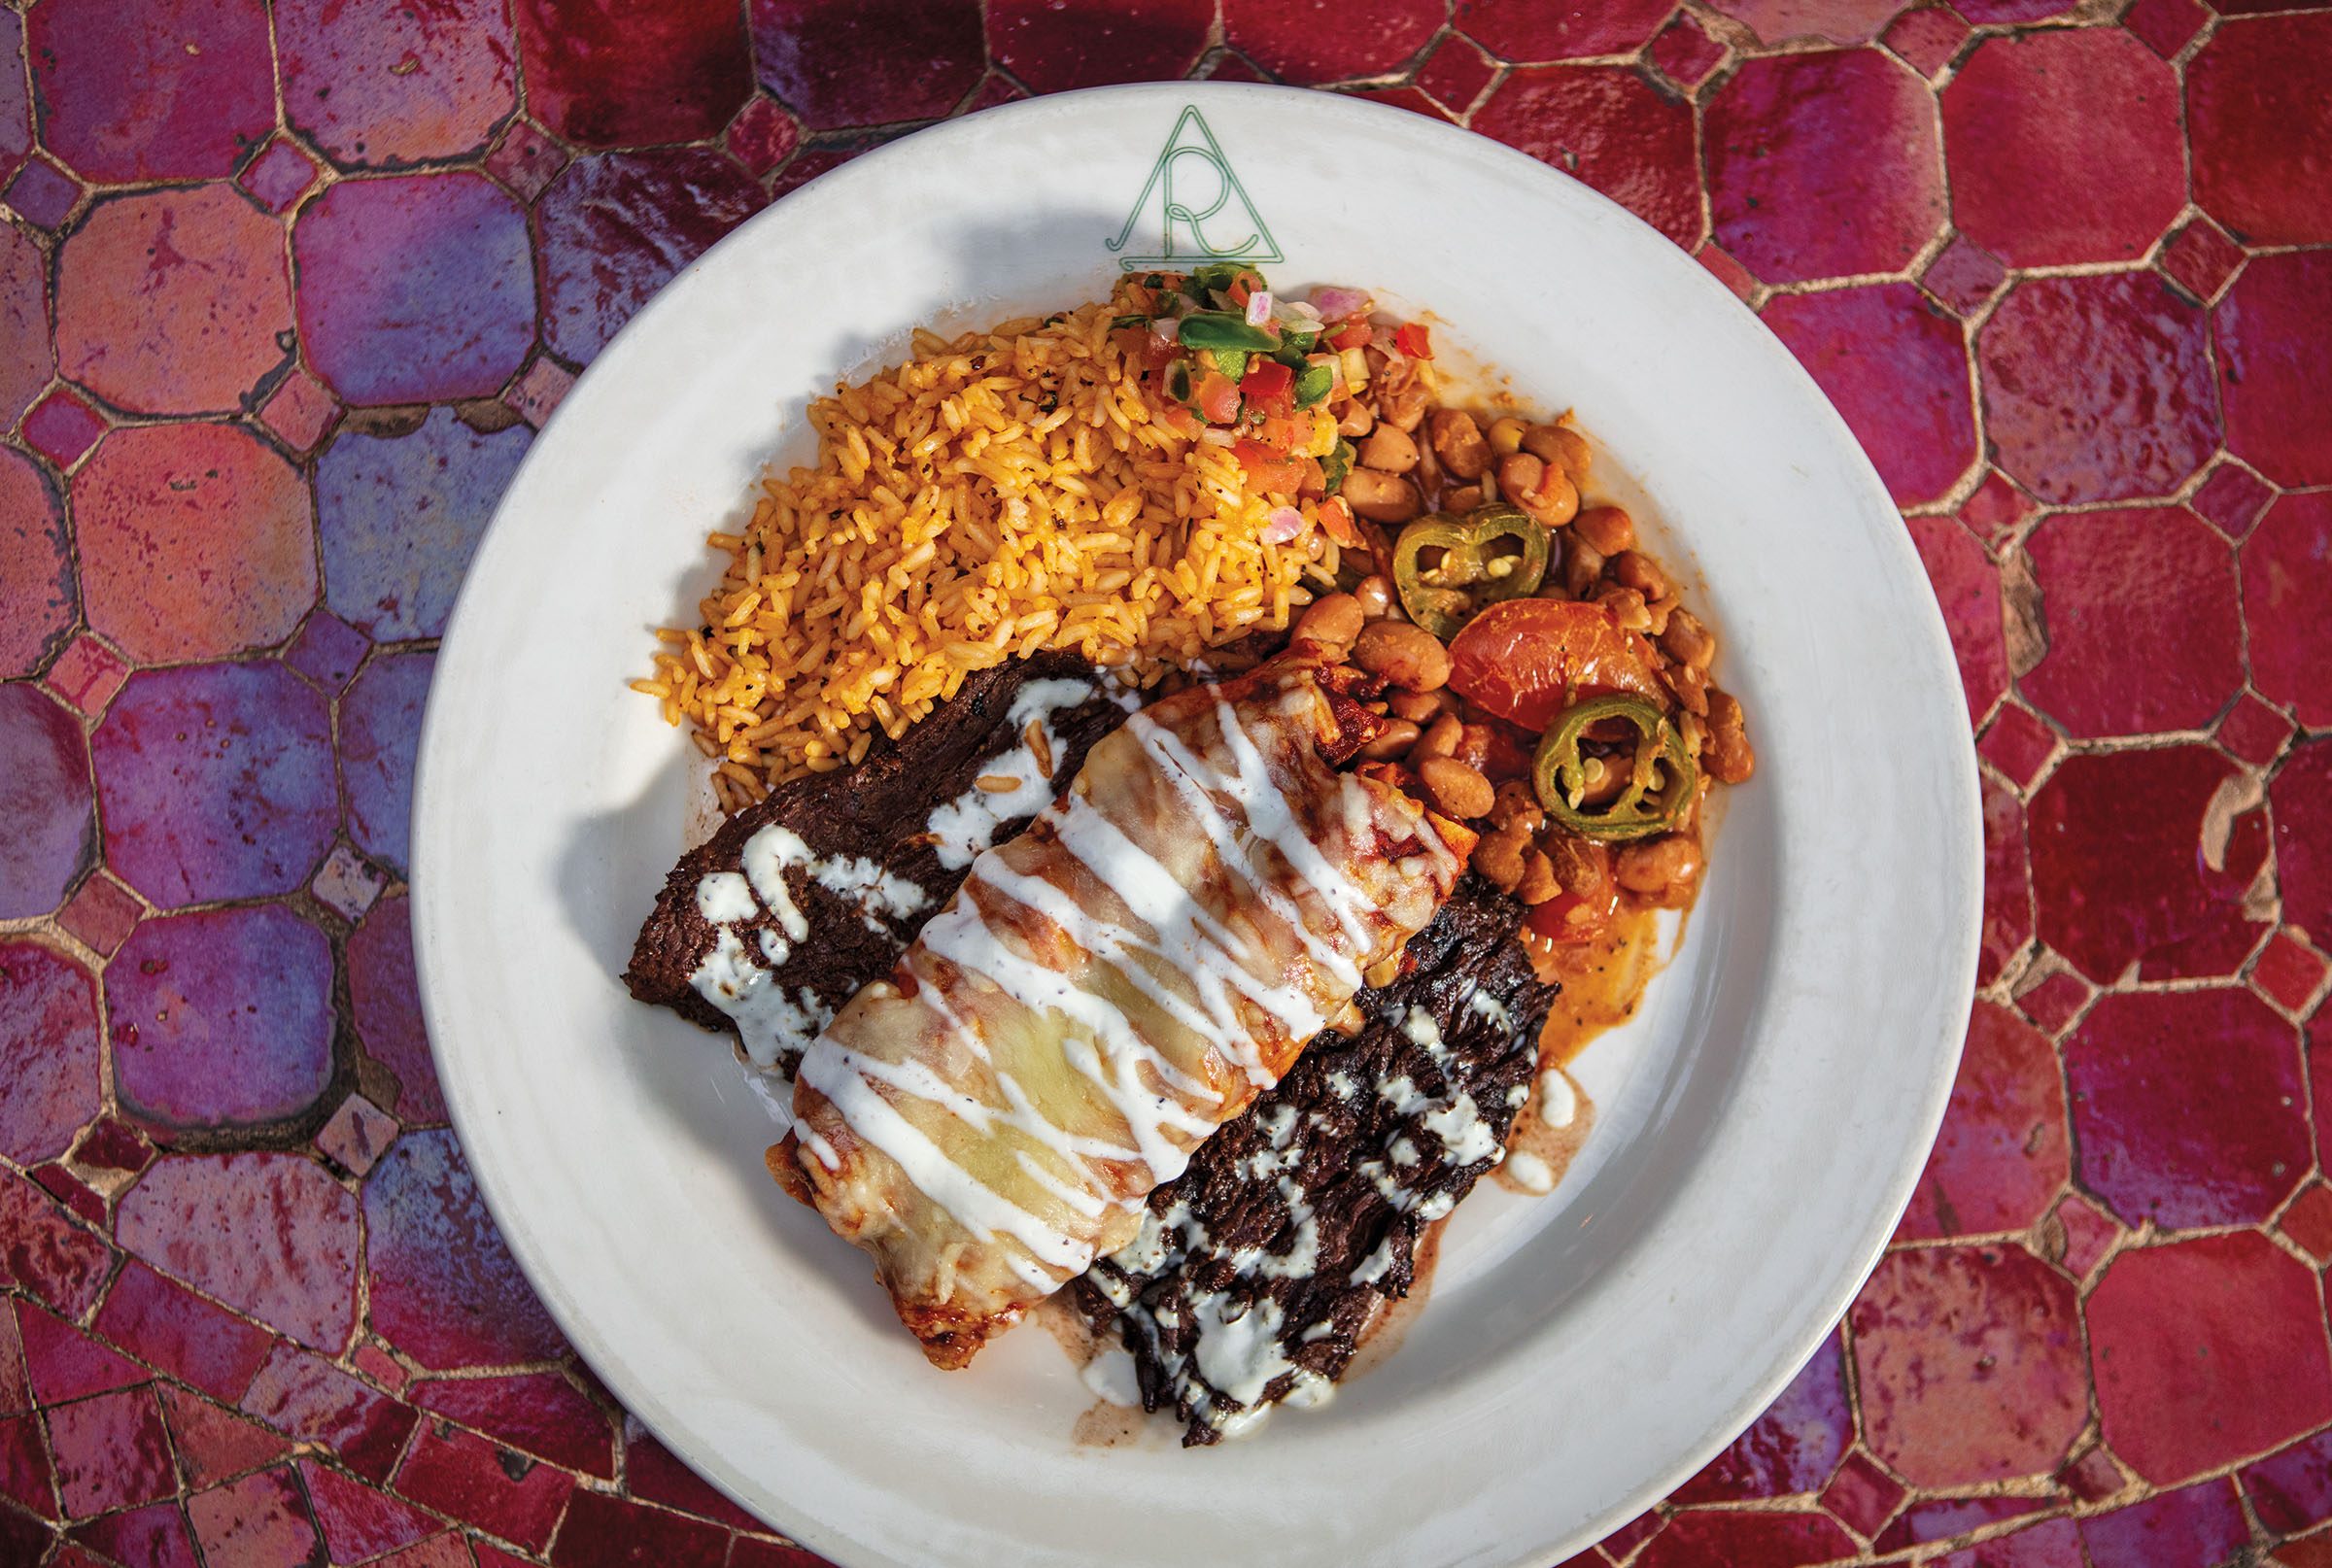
1103 993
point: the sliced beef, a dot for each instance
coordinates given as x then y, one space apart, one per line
1308 1209
875 820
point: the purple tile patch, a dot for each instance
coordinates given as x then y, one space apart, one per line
1793 1447
151 89
216 781
443 1285
327 650
400 516
385 86
44 799
617 226
415 289
357 1134
2198 1526
42 195
111 1451
221 1019
48 1051
380 730
280 176
271 1234
305 1395
345 884
387 1001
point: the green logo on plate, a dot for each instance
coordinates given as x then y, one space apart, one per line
1201 210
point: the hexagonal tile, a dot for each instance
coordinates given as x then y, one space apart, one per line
268 1233
2064 147
45 800
380 730
1969 1363
222 1020
1606 125
2097 388
2138 858
2001 1153
2274 330
390 84
609 75
398 517
1841 22
2207 1351
172 301
1825 164
27 359
2187 1106
215 781
37 595
1896 368
617 226
2008 883
153 89
1793 1447
2301 796
2286 581
2156 577
1370 38
1966 586
415 289
48 1051
444 1289
1524 30
2262 128
387 1001
195 541
841 64
1052 48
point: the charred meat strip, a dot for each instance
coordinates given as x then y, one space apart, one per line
1256 1274
801 899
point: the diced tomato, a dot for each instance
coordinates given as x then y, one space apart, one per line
1281 433
1268 386
1568 917
1526 659
1217 397
1354 336
1267 469
1336 517
1179 419
1414 341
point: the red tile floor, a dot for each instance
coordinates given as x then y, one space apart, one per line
285 292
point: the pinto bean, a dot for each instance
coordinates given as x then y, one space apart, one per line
1559 446
1609 529
1375 595
1540 489
1664 868
1538 883
1633 568
1381 497
1388 451
1440 739
1458 443
1405 655
1458 791
1393 740
1686 641
1499 857
1332 622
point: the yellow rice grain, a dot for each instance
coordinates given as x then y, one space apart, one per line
999 493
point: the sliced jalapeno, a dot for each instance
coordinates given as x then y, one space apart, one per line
1660 777
1469 575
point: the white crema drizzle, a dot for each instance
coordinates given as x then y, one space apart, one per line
1170 951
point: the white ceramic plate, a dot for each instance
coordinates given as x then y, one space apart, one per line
1761 1124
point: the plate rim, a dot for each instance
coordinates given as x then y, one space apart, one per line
435 780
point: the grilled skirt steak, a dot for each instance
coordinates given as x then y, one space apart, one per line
863 855
1301 1219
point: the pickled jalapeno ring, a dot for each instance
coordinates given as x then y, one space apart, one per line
1469 576
1661 777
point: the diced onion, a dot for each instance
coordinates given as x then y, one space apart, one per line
1216 436
1335 303
1258 308
1283 524
1167 328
